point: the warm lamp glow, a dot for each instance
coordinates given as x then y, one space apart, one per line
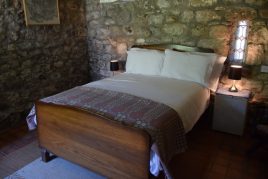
240 42
255 55
233 88
235 73
121 48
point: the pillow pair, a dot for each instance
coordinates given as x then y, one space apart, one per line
202 68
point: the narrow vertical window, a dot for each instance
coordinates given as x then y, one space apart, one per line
239 44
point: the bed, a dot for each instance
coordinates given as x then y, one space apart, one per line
121 146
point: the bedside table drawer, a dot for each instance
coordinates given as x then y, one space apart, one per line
230 114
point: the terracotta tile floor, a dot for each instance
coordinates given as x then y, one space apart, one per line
211 154
216 155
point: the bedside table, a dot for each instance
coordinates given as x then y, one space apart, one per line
230 110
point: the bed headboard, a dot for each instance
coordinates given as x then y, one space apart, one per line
180 48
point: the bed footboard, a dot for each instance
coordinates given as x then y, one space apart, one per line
99 144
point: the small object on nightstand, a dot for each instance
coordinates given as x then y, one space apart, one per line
230 110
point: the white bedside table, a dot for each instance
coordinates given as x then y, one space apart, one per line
230 110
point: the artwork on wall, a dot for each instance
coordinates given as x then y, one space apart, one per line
39 12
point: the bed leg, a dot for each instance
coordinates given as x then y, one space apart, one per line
45 155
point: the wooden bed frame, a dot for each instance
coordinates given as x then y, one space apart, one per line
96 143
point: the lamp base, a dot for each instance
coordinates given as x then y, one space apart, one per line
233 88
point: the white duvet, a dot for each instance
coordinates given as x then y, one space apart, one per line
188 99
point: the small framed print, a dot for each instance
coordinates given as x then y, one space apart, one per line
38 12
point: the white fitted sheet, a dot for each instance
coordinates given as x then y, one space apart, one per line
188 99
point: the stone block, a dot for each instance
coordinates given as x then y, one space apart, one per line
220 8
255 54
264 13
163 3
93 15
256 2
258 35
200 30
185 40
252 84
204 16
121 16
156 19
235 13
140 41
187 16
128 30
176 11
232 1
219 32
175 29
109 21
259 23
262 76
220 46
208 43
202 3
171 19
143 31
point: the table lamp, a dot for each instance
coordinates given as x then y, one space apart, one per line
234 74
114 66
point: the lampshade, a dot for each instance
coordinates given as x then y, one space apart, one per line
235 72
114 65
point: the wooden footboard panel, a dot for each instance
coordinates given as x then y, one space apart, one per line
99 144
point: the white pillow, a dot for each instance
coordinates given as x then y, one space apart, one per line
196 67
216 72
144 61
213 79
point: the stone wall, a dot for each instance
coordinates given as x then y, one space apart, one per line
38 61
114 27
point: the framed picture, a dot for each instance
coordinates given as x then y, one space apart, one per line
39 12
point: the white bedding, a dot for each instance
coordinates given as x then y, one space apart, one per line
187 98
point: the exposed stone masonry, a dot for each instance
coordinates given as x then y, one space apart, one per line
38 61
114 27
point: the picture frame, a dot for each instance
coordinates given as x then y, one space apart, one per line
41 12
